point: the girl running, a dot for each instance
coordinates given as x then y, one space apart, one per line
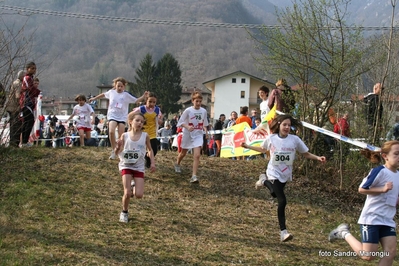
131 148
282 146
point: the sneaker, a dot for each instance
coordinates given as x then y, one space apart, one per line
285 236
124 217
194 179
132 184
337 232
259 183
177 168
112 157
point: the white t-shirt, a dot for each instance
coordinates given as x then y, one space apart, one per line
282 155
118 107
264 109
83 114
380 209
198 119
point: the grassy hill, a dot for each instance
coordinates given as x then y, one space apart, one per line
61 207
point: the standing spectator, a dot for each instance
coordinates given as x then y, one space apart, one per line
393 133
131 149
218 136
173 124
283 147
264 105
374 107
12 106
83 111
59 134
377 219
27 103
165 133
232 120
342 126
153 118
194 122
244 116
48 134
118 109
283 97
254 115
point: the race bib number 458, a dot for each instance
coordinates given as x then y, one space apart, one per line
131 156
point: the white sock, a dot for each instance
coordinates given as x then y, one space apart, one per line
344 234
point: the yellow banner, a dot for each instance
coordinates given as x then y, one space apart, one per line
234 136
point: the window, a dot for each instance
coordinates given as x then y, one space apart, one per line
243 80
233 80
242 94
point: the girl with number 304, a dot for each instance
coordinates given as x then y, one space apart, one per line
283 147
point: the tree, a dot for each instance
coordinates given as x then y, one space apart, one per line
316 49
168 89
145 76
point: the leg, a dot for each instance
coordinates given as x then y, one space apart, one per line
111 132
389 246
139 187
218 146
126 180
278 189
27 125
196 159
181 155
81 137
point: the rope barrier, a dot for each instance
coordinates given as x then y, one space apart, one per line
21 10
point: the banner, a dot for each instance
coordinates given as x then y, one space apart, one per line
234 136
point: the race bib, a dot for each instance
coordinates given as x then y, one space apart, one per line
131 156
118 105
283 157
82 117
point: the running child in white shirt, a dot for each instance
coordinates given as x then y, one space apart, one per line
283 147
194 122
83 111
131 148
118 108
377 224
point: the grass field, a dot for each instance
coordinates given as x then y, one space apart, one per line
61 207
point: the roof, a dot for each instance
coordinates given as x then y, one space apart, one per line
242 72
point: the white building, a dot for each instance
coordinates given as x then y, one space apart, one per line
232 91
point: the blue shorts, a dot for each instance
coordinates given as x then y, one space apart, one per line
373 233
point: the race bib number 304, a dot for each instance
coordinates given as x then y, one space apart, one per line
283 157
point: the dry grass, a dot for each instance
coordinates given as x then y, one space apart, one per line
61 207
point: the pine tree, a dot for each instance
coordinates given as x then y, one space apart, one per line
168 89
145 76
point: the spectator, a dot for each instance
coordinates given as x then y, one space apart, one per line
342 126
218 136
27 103
59 134
232 120
264 105
165 133
283 97
374 105
254 115
12 107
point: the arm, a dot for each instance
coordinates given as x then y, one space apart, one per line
142 97
93 118
272 98
150 153
376 190
311 156
97 97
119 144
254 148
70 117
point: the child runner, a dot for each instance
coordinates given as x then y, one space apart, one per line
194 123
118 108
282 146
83 111
131 148
376 221
153 118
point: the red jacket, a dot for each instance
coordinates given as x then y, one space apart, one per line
29 93
342 127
